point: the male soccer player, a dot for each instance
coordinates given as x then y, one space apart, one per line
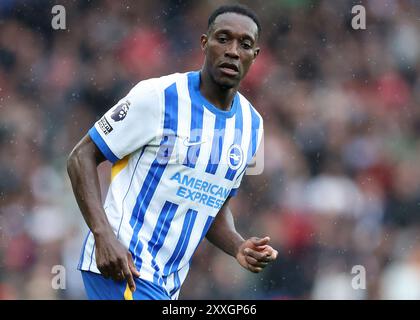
179 145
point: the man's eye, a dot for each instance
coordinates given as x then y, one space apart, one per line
246 45
222 39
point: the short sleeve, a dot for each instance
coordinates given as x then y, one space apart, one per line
130 124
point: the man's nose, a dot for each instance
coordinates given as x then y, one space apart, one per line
232 50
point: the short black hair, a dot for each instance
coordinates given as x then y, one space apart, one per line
236 8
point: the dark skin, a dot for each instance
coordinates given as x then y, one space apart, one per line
232 40
230 48
112 258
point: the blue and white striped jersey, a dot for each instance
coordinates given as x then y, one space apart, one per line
176 158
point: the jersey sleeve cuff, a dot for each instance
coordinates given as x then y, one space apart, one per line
101 144
233 192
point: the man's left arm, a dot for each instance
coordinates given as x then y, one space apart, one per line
253 254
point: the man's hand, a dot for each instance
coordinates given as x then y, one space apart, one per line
254 254
114 261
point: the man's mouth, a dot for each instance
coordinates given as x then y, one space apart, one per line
229 69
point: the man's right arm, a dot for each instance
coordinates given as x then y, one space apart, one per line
112 258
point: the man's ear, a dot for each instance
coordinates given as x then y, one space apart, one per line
203 40
256 53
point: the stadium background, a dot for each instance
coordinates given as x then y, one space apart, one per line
342 122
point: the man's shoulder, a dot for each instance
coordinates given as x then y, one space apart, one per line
246 103
162 82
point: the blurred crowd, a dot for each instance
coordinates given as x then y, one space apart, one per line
340 191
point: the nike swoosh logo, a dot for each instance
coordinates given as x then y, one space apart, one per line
188 143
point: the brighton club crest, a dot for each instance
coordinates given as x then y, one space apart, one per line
235 156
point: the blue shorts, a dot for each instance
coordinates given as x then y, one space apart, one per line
99 288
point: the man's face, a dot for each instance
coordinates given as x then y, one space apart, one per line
230 48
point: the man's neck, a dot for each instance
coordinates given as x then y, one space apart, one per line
220 97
